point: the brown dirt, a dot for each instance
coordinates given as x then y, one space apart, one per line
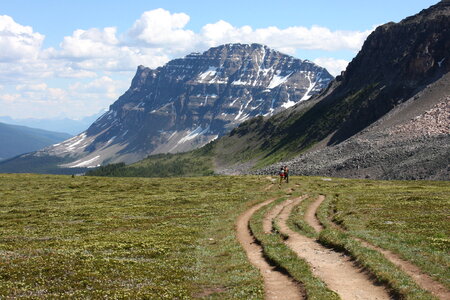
335 269
276 285
423 280
310 215
209 291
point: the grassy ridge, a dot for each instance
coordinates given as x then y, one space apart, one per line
90 237
197 162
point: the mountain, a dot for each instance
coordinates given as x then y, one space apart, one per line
20 139
386 117
70 126
187 103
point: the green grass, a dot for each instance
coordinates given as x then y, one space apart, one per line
286 259
91 237
406 217
386 272
161 238
297 221
198 162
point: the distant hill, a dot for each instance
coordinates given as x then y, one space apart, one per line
17 140
70 126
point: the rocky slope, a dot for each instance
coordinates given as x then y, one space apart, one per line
400 128
191 101
410 142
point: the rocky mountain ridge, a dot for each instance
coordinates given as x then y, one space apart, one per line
191 101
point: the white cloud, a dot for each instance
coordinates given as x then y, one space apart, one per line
334 66
80 99
56 93
160 28
32 87
70 72
18 42
89 43
103 86
289 39
9 98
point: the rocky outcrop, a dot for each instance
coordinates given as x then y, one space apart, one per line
396 61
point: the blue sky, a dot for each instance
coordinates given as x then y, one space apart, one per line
64 58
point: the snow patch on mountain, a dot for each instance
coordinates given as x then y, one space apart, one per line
193 134
210 73
85 163
277 80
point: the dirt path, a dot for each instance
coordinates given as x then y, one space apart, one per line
423 280
276 285
335 269
310 215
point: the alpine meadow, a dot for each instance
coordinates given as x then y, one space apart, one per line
256 160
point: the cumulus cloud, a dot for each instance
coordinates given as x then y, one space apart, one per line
160 28
158 36
289 39
18 42
80 99
88 43
334 66
9 98
32 87
103 86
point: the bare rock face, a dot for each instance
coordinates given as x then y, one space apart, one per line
396 62
191 101
398 123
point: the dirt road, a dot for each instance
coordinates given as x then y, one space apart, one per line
335 269
277 286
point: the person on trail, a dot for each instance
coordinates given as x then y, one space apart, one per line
286 174
282 174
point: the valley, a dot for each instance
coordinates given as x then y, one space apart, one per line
174 192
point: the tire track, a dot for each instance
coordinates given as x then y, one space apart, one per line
422 279
277 286
335 269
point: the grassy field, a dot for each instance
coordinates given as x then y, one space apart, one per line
63 237
409 218
153 238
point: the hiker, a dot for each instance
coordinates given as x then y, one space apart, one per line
282 174
286 174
